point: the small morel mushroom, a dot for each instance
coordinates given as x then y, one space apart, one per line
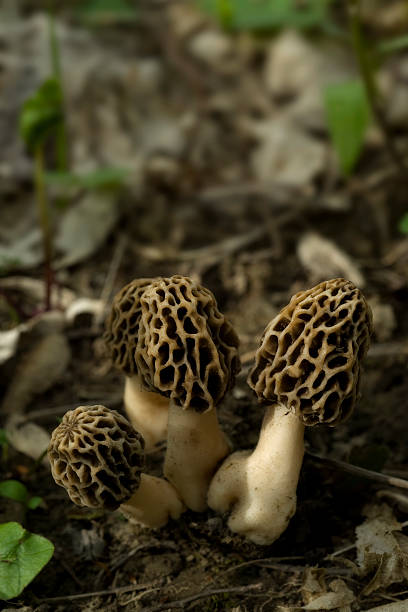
307 369
187 351
147 411
97 456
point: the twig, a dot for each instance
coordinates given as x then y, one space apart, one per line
152 544
399 498
180 603
107 289
259 561
44 413
214 252
359 471
70 571
123 589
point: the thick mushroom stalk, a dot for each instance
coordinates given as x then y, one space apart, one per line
153 503
195 447
97 456
272 468
187 351
146 410
308 367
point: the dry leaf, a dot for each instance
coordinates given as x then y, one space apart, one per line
384 320
39 368
27 438
381 551
8 343
85 227
88 308
317 596
286 154
323 259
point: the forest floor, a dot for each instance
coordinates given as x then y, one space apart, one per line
231 179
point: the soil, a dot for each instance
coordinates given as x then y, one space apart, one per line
103 562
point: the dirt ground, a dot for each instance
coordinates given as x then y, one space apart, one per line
185 120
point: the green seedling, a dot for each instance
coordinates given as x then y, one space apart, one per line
102 178
348 116
267 15
4 444
101 12
22 557
13 489
41 117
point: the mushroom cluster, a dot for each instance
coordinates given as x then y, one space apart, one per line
180 357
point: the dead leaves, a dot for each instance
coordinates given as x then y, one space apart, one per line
382 551
318 596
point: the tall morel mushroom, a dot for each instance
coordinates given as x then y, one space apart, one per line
307 369
97 456
146 410
187 350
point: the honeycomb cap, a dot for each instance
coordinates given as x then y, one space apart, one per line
311 353
122 325
187 350
97 456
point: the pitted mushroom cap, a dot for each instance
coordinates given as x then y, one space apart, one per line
97 456
311 352
122 325
187 349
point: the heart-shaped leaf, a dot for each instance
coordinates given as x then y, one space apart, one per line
22 556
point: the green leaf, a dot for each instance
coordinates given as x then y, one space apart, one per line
13 489
41 114
267 14
398 43
105 11
22 556
348 116
3 437
34 502
102 178
403 224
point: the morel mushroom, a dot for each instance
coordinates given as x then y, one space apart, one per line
97 456
308 369
187 351
147 411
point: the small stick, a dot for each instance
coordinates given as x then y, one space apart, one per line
123 589
256 561
359 471
110 279
180 603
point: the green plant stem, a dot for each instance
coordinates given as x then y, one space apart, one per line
367 75
61 135
44 219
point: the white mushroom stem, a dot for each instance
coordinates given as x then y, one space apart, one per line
259 488
195 447
147 411
153 503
